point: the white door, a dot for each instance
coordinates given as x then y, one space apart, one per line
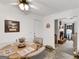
37 28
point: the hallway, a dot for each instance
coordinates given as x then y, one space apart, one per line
64 51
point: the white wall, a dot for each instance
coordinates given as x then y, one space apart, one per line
77 31
49 33
38 28
76 12
26 24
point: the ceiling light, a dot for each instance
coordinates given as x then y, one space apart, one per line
23 6
26 7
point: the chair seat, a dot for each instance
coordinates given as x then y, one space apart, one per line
36 52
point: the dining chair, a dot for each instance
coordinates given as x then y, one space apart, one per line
38 40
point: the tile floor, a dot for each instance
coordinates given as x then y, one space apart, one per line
64 51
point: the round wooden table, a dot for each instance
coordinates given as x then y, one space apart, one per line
16 55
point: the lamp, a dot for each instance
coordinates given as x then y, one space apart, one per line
23 5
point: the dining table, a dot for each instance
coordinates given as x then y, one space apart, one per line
13 52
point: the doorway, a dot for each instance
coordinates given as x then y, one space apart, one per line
56 32
66 47
68 31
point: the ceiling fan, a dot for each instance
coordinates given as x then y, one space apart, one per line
24 4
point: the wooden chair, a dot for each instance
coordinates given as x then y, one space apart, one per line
38 41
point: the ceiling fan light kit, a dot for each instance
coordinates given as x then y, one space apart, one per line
27 7
24 5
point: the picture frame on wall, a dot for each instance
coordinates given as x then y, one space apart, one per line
48 25
12 26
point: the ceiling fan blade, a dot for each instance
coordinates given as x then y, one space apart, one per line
33 6
13 3
29 0
16 2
